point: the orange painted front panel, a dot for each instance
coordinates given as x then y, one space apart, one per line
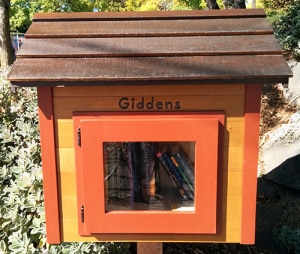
229 99
97 128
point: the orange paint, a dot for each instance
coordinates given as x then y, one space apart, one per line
252 119
97 128
49 164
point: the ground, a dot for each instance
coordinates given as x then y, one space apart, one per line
274 109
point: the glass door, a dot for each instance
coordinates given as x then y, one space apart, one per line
147 172
149 176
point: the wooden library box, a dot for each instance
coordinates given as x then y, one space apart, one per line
149 121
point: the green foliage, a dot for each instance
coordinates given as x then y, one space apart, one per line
288 239
276 5
22 11
287 29
275 9
154 5
22 219
193 4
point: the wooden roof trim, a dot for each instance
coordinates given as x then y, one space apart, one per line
149 28
162 69
150 46
149 15
161 48
214 81
136 35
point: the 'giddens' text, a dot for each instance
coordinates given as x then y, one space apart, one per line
150 104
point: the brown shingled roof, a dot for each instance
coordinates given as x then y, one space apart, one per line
175 47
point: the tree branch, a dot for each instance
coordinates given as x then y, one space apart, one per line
212 4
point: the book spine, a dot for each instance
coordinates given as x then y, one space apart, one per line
123 178
111 163
172 176
147 170
183 184
133 167
179 169
185 166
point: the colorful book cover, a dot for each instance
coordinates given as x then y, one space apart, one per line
147 170
134 171
170 173
184 163
179 169
179 177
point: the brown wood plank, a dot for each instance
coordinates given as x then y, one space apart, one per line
50 174
206 90
230 234
72 29
148 15
150 46
150 248
139 69
65 106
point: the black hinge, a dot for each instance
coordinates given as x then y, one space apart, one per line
79 137
82 213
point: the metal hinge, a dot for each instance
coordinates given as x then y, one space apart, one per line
82 213
79 137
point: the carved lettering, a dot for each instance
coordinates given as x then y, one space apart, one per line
147 104
123 103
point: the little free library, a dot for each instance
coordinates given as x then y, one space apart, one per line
149 121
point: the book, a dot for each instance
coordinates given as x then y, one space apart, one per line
184 163
147 170
111 163
171 174
134 171
123 174
183 183
179 169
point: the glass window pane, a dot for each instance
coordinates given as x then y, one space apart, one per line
149 176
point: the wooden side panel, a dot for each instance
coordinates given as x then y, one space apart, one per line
50 180
252 120
204 98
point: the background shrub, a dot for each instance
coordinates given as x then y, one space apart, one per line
288 239
22 220
285 19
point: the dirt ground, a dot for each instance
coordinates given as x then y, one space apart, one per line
274 109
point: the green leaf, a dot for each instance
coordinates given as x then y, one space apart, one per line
3 246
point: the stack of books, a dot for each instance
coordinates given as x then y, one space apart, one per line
132 171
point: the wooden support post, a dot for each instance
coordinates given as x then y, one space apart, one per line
150 248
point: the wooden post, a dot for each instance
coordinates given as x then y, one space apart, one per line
150 248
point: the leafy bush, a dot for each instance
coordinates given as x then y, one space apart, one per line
286 23
288 238
272 6
22 220
22 223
